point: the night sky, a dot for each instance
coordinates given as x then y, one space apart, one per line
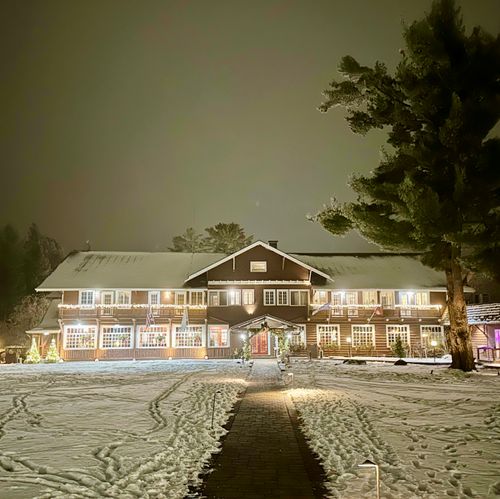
124 122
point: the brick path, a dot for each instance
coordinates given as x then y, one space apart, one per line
264 455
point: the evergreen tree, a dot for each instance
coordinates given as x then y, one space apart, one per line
52 354
437 188
189 242
33 356
226 238
398 348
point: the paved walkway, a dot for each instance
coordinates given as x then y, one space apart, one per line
264 455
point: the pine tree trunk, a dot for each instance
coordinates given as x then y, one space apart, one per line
459 338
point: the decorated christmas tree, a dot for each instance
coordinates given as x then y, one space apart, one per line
52 355
33 356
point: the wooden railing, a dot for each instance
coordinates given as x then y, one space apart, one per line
488 354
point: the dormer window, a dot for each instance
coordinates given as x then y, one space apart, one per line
258 266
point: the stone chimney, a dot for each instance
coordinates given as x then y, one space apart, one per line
273 243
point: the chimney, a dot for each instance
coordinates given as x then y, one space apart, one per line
273 243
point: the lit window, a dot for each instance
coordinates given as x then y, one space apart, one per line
258 266
369 297
116 337
154 302
299 298
432 333
218 336
327 335
351 299
269 297
248 296
282 296
80 338
191 337
320 297
107 298
387 299
337 299
217 298
123 298
234 297
180 298
297 338
363 336
197 297
397 331
87 298
154 336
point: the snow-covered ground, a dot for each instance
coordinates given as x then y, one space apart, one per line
433 435
111 429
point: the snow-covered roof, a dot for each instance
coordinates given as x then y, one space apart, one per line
375 271
487 313
50 320
126 270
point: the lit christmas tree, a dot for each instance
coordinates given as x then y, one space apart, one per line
52 355
33 356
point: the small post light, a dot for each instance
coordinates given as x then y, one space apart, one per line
290 377
434 345
371 464
349 343
213 407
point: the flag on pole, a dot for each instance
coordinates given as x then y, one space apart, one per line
377 311
150 318
325 306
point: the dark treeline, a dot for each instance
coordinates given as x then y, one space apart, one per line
24 263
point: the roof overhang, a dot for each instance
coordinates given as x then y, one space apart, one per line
251 246
271 322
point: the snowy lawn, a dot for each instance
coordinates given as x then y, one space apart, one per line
111 429
433 435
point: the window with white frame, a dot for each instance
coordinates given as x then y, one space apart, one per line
196 297
320 297
80 337
413 298
432 333
123 298
337 303
258 266
87 298
248 296
422 298
218 336
363 335
282 296
297 338
180 298
299 298
351 300
370 297
116 337
387 299
234 297
107 298
154 302
396 331
153 336
190 337
269 297
328 335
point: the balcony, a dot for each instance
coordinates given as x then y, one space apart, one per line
376 311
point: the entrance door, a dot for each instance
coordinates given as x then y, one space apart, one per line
260 343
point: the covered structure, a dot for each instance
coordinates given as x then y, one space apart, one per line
48 328
484 321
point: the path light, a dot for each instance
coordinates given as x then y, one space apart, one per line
290 377
348 340
371 464
213 407
434 345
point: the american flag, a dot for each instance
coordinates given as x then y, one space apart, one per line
150 318
184 321
325 306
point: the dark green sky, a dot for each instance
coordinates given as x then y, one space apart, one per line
124 122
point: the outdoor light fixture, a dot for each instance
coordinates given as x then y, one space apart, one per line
434 345
371 464
348 340
289 336
243 336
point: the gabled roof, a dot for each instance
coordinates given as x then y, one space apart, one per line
487 313
271 321
248 248
375 271
50 320
125 270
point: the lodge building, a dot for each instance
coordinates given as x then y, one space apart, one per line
131 305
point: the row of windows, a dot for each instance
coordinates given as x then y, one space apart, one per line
88 298
364 335
154 336
372 297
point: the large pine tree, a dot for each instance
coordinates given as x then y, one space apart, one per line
437 189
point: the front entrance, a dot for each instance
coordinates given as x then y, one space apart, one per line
260 343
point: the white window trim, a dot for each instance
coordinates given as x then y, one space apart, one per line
302 335
203 298
256 263
92 305
406 332
101 337
265 291
287 295
154 293
336 327
371 326
300 291
88 328
175 327
180 293
166 326
252 292
228 335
